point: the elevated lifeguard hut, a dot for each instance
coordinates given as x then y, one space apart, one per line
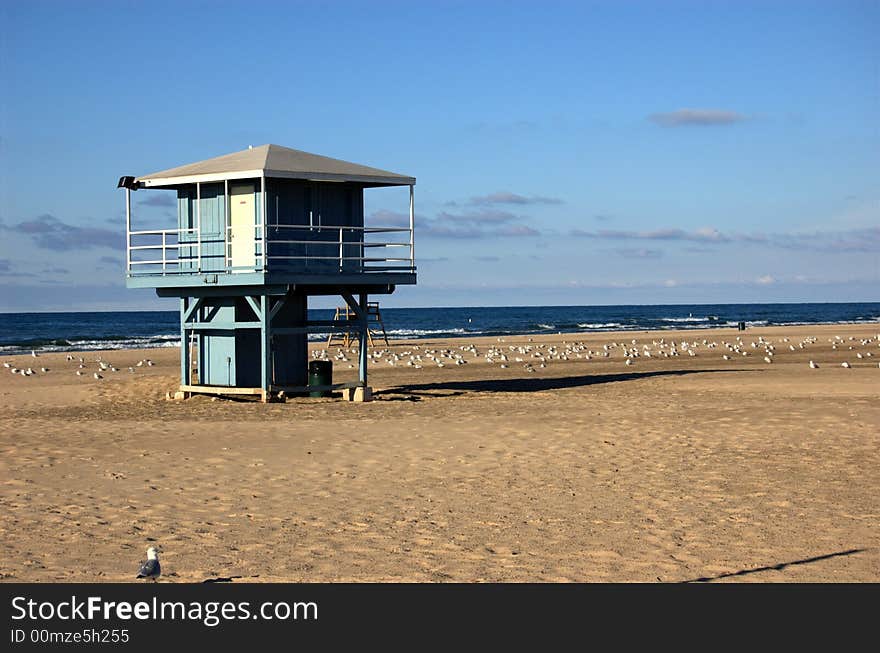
259 232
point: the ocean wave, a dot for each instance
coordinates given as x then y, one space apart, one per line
750 323
90 344
684 319
546 326
399 334
409 333
599 325
858 320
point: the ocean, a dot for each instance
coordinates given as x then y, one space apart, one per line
22 332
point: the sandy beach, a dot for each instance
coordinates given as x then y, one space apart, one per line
669 469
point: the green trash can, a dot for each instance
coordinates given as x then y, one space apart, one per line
320 373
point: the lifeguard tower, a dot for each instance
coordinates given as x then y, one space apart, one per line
259 232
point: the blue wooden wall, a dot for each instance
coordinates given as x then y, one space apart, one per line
319 206
213 225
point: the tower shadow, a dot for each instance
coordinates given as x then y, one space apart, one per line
534 384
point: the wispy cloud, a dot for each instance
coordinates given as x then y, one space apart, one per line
697 118
487 259
487 216
386 218
48 232
638 253
468 224
506 197
7 270
700 235
475 226
164 199
516 230
854 240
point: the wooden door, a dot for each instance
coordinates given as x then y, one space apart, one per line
242 233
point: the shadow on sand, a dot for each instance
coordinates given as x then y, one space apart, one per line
780 567
530 384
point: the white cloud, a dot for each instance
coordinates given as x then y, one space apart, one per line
696 118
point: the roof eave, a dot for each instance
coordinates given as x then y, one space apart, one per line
379 180
374 180
158 182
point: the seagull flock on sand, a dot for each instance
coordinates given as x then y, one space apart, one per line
103 366
534 356
538 355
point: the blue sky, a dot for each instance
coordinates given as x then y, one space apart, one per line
566 153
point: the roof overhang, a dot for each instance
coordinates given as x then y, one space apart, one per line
165 182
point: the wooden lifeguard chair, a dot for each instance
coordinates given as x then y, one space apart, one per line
345 314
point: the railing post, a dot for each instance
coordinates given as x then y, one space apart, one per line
127 231
265 204
199 224
340 249
164 233
412 219
227 245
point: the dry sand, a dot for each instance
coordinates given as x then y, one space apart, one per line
670 469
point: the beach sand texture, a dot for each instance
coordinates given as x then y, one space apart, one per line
669 469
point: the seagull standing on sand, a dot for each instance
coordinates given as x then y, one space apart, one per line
150 568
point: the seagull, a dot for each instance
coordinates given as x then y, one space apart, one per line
813 366
44 369
79 373
98 377
34 353
150 568
845 364
767 359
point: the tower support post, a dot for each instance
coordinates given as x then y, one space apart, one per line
184 345
265 346
363 336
